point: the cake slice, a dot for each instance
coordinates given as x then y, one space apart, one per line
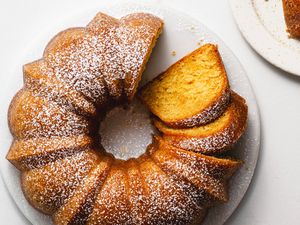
192 92
37 152
217 168
291 10
211 138
214 189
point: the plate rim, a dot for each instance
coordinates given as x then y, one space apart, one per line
252 29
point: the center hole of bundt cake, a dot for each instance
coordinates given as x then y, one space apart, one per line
126 131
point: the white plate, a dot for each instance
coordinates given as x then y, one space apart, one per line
263 26
182 34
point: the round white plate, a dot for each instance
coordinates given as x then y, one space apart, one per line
263 26
181 35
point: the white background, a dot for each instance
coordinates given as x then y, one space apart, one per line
274 195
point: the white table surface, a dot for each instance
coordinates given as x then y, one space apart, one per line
274 194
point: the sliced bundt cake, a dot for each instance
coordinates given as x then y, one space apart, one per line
54 120
192 92
214 137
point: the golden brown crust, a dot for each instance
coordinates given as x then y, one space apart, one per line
63 40
96 60
137 194
37 80
111 204
216 109
73 57
167 199
200 139
80 205
48 187
31 116
209 174
135 34
291 10
37 152
137 21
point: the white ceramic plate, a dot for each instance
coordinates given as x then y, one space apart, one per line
263 26
181 35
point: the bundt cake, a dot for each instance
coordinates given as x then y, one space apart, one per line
192 92
54 120
291 9
214 137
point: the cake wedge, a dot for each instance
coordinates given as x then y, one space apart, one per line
192 92
215 137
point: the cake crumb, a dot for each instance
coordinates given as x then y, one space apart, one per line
173 53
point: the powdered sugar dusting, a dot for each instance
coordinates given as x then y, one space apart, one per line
37 152
31 116
109 55
48 187
80 205
37 78
211 144
164 199
111 205
195 170
136 193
